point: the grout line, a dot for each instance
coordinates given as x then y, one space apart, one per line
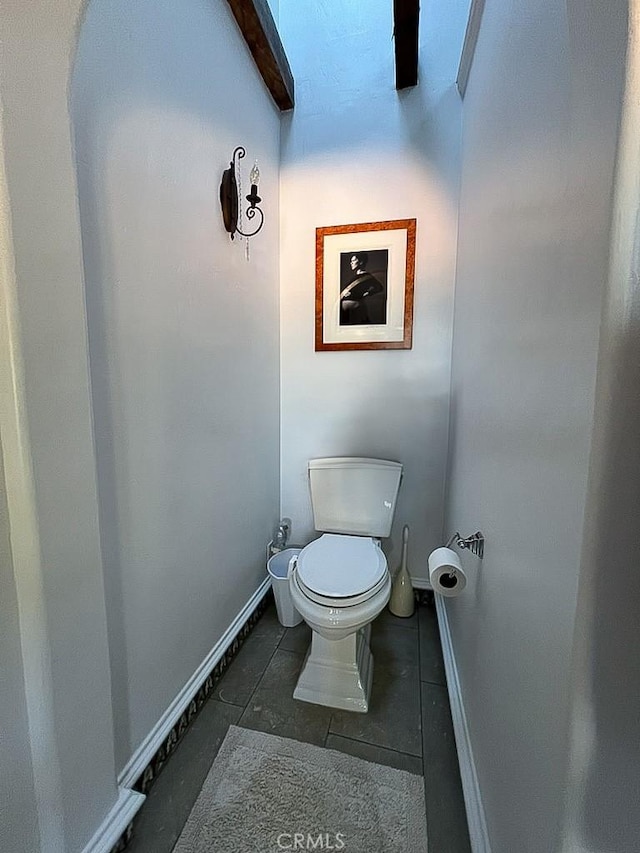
297 654
435 683
253 692
271 656
326 734
420 662
409 623
378 745
383 748
216 694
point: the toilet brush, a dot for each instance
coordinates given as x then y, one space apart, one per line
402 600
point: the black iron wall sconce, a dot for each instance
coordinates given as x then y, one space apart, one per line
230 200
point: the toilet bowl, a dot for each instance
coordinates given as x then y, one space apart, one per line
339 584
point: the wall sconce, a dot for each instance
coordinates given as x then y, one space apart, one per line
230 200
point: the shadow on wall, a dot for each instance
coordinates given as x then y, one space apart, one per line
611 817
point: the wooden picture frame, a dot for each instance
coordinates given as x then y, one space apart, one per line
364 285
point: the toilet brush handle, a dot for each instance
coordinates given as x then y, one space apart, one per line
405 546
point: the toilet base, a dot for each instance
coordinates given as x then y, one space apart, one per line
338 673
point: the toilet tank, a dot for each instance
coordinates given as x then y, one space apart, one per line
353 495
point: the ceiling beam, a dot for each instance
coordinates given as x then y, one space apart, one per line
469 47
406 15
261 35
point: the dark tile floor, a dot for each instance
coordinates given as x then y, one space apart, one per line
408 725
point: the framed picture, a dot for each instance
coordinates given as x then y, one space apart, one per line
364 285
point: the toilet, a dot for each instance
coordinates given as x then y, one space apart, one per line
340 582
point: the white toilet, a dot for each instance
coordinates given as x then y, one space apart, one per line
340 582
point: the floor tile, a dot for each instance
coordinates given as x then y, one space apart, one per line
268 624
393 719
297 639
431 662
369 752
394 732
394 646
247 668
273 709
446 816
388 618
165 811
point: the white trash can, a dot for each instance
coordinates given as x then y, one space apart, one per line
278 568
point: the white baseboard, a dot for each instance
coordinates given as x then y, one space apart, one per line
150 745
115 823
472 799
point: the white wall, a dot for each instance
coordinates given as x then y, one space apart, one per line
19 824
603 809
18 810
355 150
539 136
183 335
47 442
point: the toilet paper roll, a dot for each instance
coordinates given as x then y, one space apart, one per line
446 574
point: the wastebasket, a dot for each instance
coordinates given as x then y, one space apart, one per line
278 567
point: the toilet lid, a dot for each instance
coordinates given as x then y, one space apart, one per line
338 566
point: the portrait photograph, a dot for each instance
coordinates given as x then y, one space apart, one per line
364 285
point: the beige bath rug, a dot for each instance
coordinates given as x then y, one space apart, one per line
266 794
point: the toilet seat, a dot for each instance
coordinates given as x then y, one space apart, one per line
341 571
345 601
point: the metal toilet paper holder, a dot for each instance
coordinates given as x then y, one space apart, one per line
474 543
